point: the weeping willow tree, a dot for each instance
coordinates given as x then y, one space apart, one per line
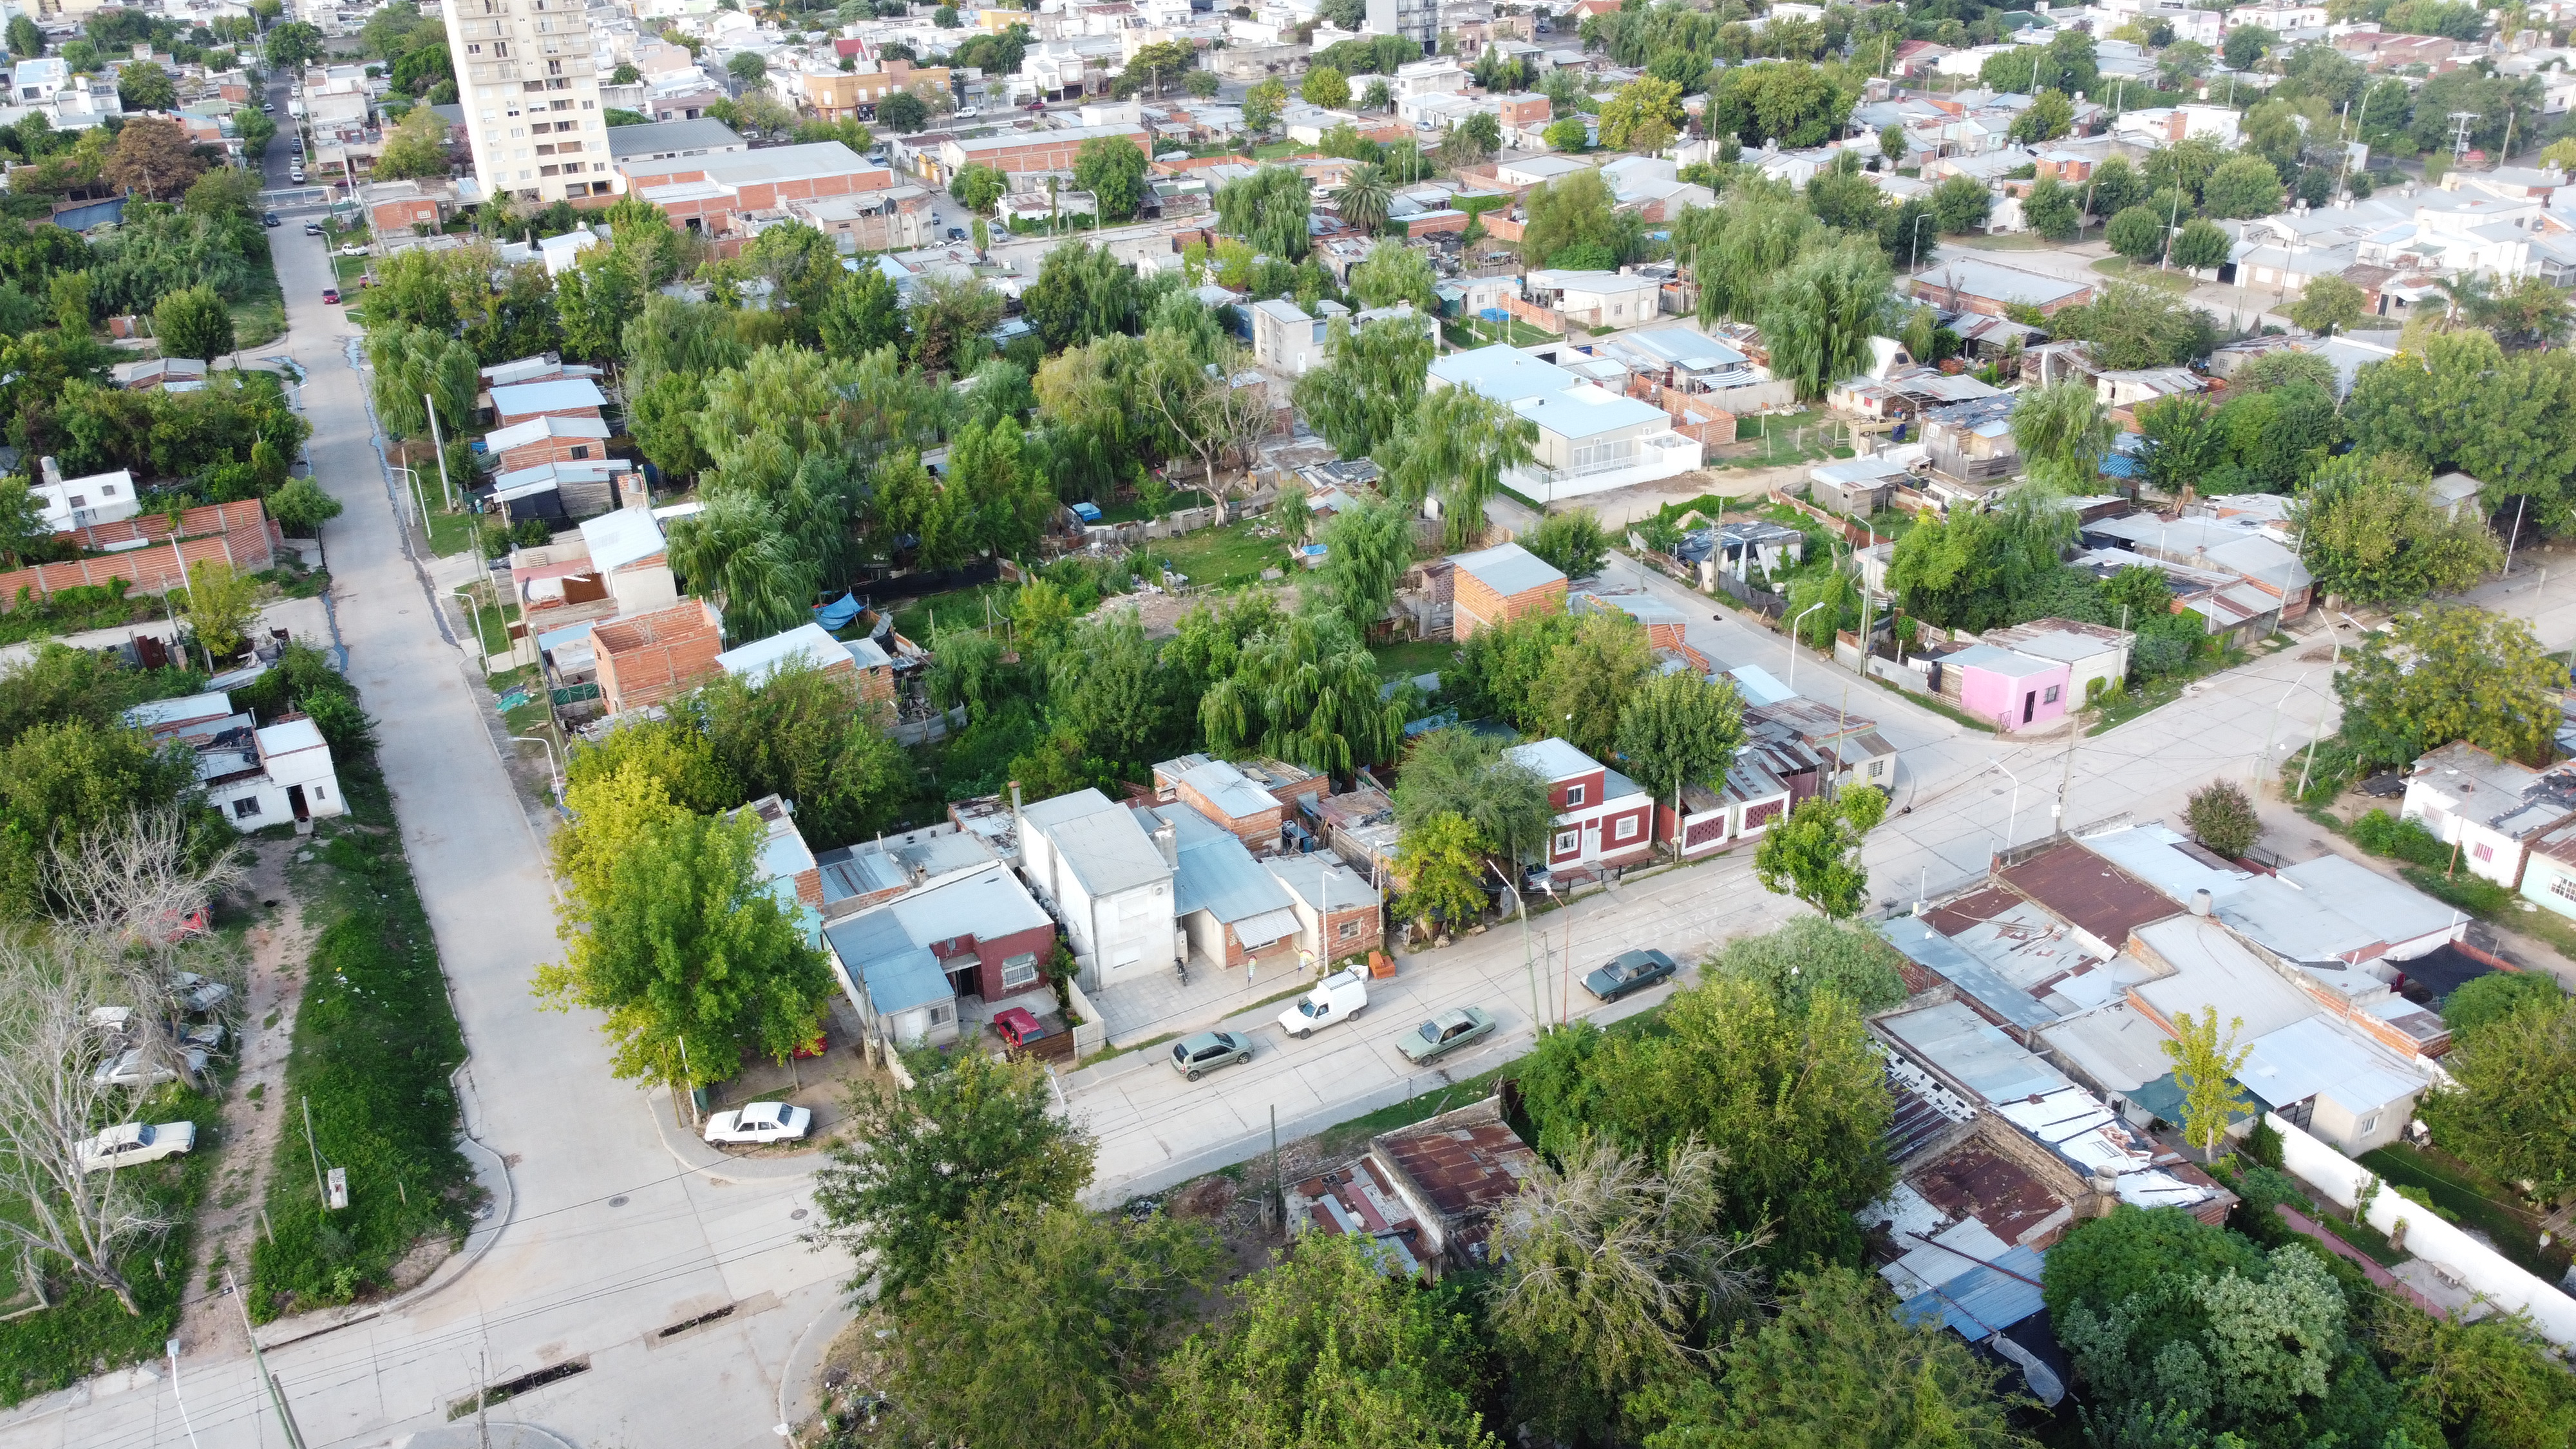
1738 247
1819 315
740 550
1457 443
1304 690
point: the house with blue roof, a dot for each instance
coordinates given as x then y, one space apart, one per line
1234 913
964 947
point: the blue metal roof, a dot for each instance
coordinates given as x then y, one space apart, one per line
896 974
1930 949
1984 1300
1508 569
1216 873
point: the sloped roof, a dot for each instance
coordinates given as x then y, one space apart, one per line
628 535
1099 840
553 395
1219 876
1508 569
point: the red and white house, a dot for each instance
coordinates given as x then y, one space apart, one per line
1603 818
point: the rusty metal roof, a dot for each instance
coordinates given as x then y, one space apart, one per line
1974 1181
2089 891
1463 1170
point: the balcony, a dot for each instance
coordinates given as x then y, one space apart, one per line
1658 455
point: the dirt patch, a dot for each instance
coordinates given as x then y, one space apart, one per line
420 1262
1160 613
278 944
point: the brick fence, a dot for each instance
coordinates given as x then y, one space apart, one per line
1692 417
238 534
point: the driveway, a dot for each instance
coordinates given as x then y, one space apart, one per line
611 1239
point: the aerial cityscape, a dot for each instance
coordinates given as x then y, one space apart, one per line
1314 725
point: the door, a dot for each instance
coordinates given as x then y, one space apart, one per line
295 802
2029 703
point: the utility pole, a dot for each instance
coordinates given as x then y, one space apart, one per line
276 1390
445 488
2460 123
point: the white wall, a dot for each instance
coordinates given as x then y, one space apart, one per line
2482 1268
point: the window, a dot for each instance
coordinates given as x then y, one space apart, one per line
2050 697
1569 841
1573 796
2564 888
2484 852
245 808
80 500
321 794
2368 1123
942 1013
1020 971
1348 930
1877 768
1626 828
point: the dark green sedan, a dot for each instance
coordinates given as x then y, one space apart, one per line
1445 1033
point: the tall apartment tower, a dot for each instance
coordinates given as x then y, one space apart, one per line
530 92
1415 20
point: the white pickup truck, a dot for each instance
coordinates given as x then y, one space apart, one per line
1337 997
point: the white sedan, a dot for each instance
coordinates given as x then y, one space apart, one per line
128 1069
136 1142
760 1122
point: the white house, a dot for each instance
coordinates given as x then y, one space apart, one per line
2492 809
626 546
1285 339
1595 299
71 503
1590 439
257 777
1089 860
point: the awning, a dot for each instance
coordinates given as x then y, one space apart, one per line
1258 931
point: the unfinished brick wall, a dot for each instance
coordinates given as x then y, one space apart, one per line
237 534
657 656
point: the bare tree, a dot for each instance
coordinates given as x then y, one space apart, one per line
136 884
52 1102
1240 414
1615 1271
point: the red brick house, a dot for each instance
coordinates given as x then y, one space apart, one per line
654 657
545 440
708 194
1334 898
1499 584
1603 819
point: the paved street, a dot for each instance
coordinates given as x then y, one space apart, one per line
610 1238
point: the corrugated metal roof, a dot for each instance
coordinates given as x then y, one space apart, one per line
1552 759
809 644
628 535
1984 1300
1926 947
546 397
1218 875
1100 841
1508 569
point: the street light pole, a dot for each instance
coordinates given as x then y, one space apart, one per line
475 612
1538 1018
1792 681
446 489
554 775
2012 817
2334 665
2273 730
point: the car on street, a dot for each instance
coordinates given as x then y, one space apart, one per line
760 1122
271 219
966 113
957 233
331 296
1629 971
136 1142
1034 106
312 228
268 106
128 1069
198 994
1196 1056
1337 997
1445 1033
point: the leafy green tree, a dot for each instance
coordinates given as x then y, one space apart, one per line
1570 134
1082 292
1369 386
2495 1381
948 318
143 85
2048 116
975 1138
64 777
1837 1365
1112 169
2243 186
1614 1275
2450 672
1203 84
2484 1000
220 607
1363 199
416 147
2051 208
2205 1065
1443 863
1590 680
26 42
1267 209
683 940
1680 729
1960 204
1393 272
1812 954
2132 325
1464 774
1328 1351
903 112
1458 442
1573 542
1263 103
2369 531
806 735
1472 141
1739 247
2463 402
1044 1325
1569 212
1644 115
2328 305
301 508
1970 570
747 67
1822 312
293 46
2223 819
2063 431
1814 853
2201 245
1305 690
1326 87
862 315
1367 548
2515 1077
2138 234
1793 103
193 322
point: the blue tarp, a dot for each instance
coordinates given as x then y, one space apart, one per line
838 613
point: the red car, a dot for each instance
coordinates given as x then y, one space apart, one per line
1018 1027
1034 106
331 296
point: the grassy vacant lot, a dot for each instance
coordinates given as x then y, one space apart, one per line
1223 558
86 1330
2129 271
2467 1197
69 611
1419 656
375 1040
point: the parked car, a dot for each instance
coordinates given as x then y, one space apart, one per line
1018 1026
136 1142
1034 106
966 113
207 1036
127 1069
760 1122
1629 971
312 228
271 219
331 296
198 994
1445 1033
1337 997
957 233
1196 1056
268 106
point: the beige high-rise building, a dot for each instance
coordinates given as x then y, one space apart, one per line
530 92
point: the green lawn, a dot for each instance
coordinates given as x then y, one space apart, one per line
1133 510
2474 1201
1798 437
449 532
1277 149
1511 331
2011 241
1224 558
1419 656
960 607
2128 271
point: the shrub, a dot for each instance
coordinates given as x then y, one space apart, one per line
2223 819
2383 834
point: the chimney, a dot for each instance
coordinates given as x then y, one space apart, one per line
633 491
2201 901
1169 843
48 470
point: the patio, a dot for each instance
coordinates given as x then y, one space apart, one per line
1159 1004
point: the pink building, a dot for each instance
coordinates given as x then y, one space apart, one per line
2016 691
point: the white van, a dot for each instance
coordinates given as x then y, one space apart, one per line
1337 997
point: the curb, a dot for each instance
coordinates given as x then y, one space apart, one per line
698 1157
797 1400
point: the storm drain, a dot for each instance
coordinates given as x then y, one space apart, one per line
701 1321
502 1393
